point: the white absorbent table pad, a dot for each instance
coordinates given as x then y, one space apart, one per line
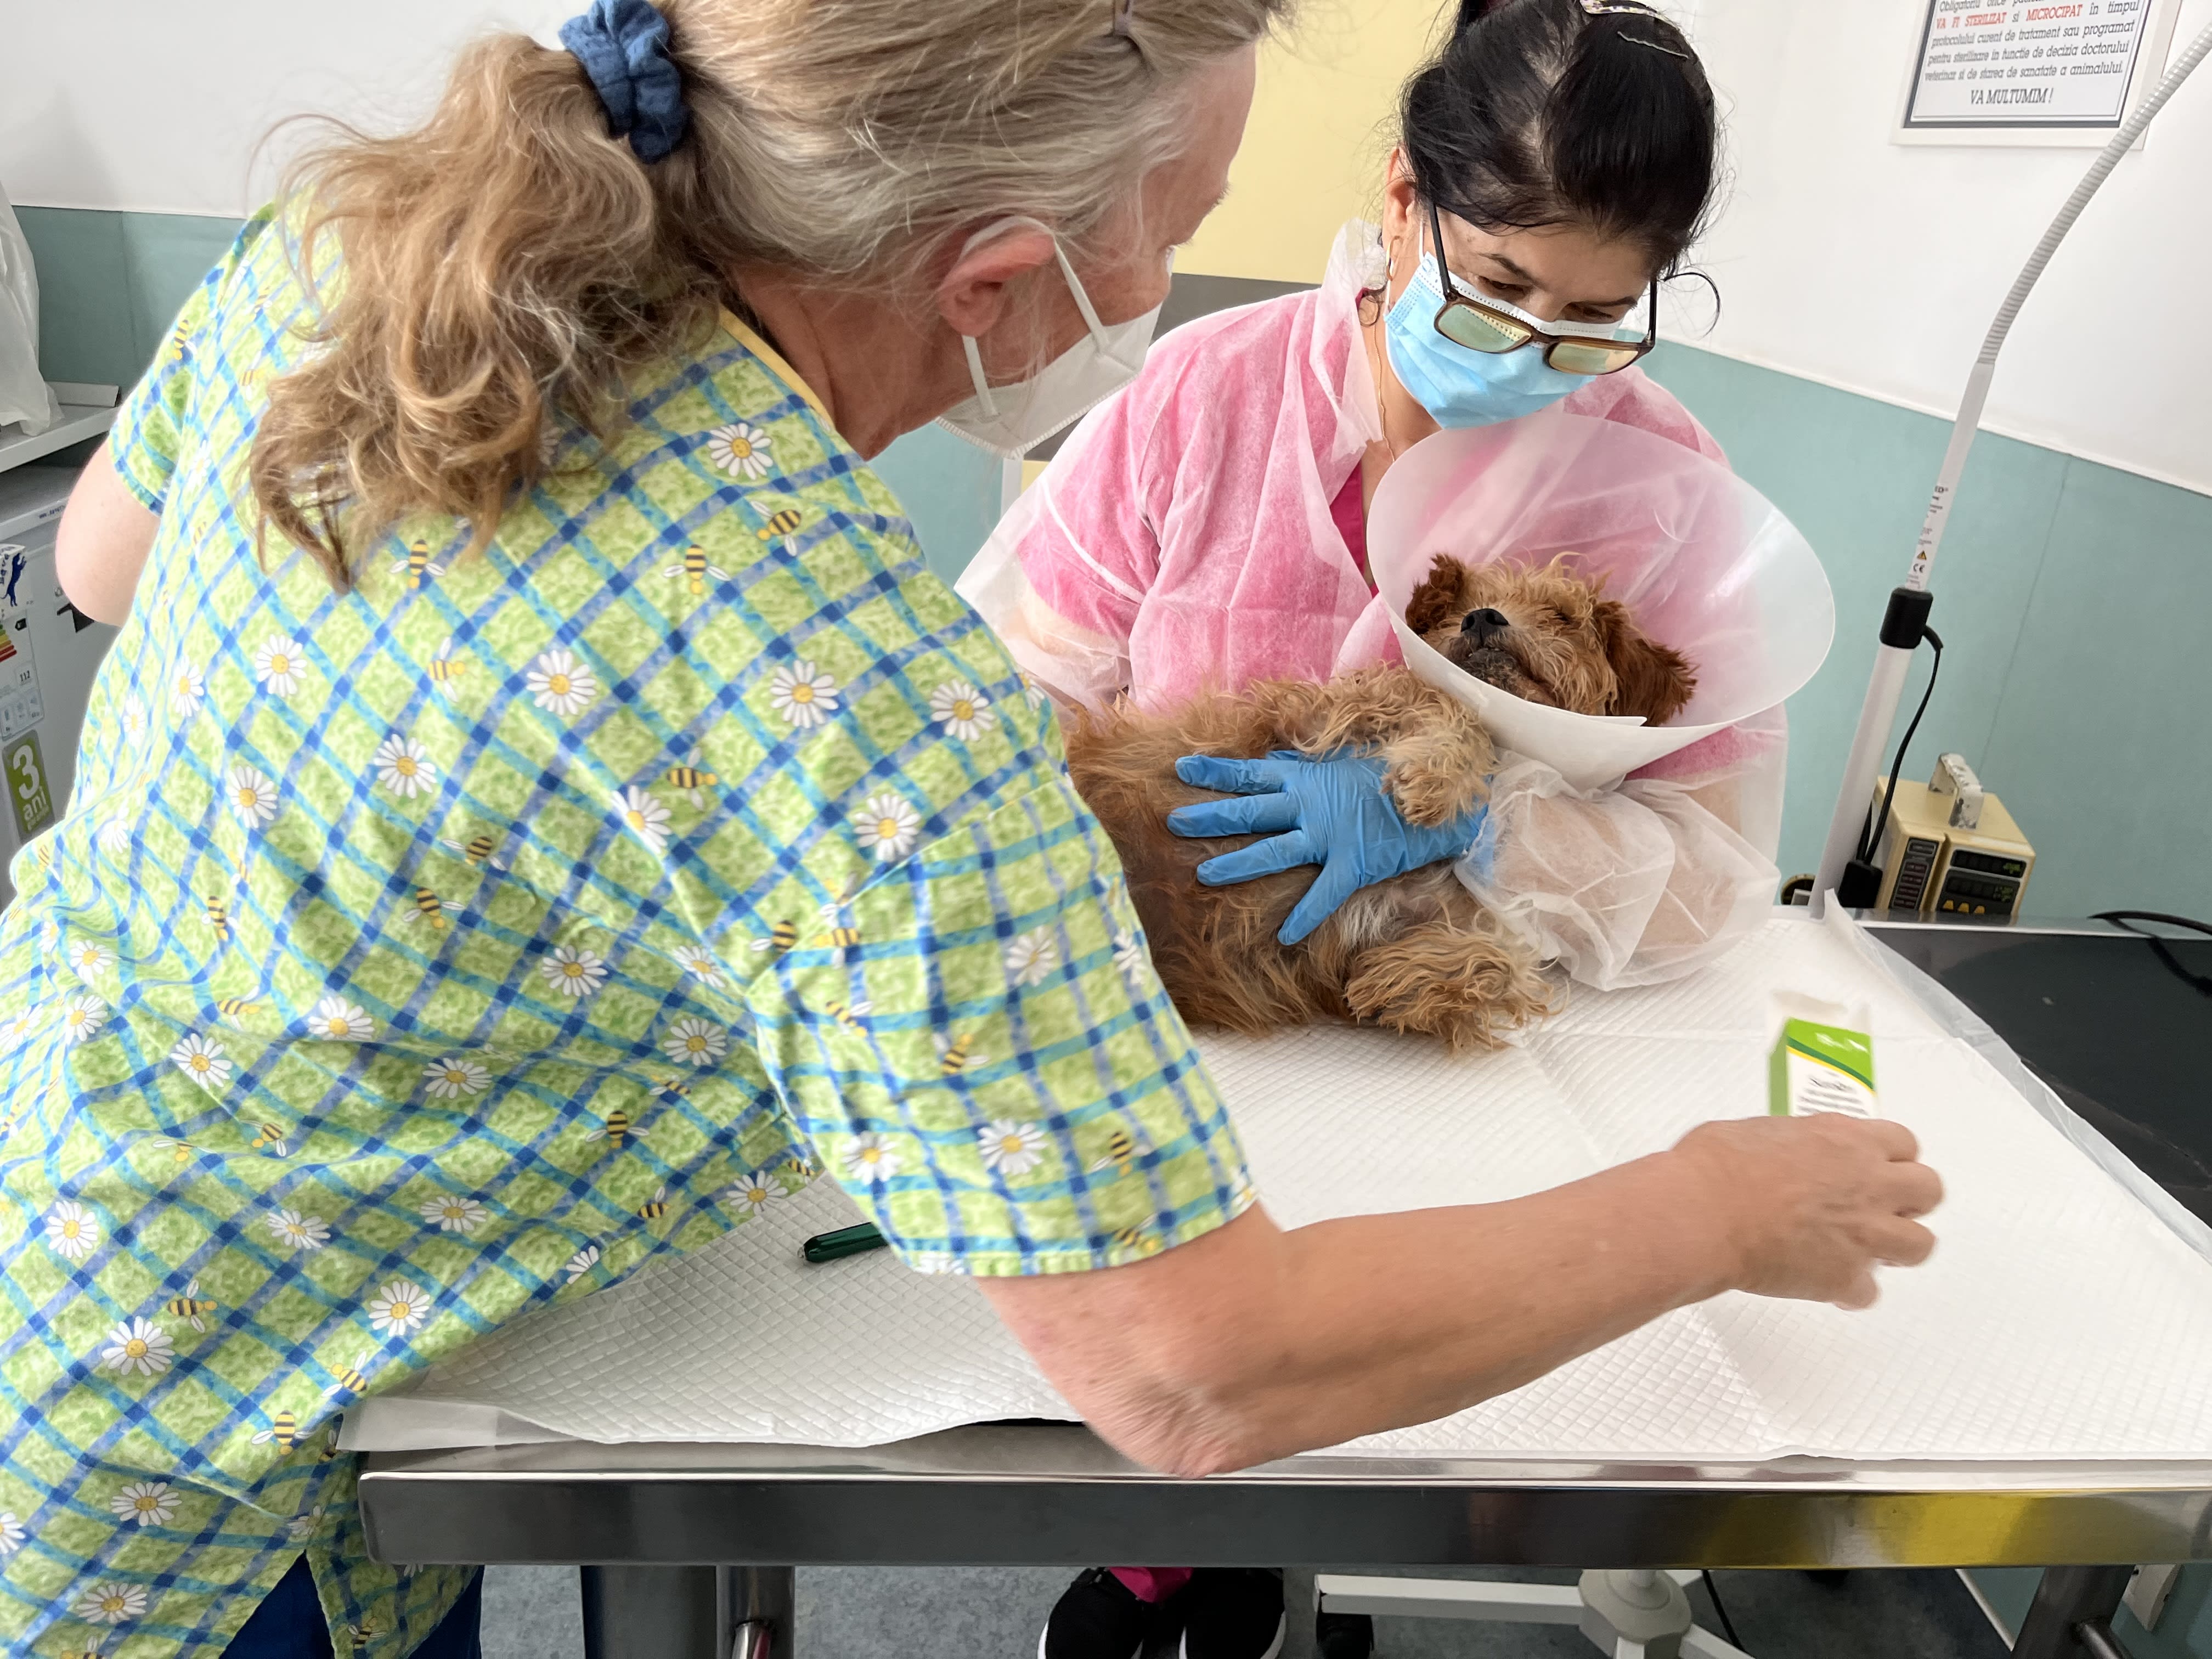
2061 1319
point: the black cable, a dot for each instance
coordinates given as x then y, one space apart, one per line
1728 1625
2124 918
1879 827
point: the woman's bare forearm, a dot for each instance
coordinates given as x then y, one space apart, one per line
1306 1338
1253 1343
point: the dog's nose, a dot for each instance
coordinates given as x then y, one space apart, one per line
1485 625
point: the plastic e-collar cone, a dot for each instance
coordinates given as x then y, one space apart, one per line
1704 562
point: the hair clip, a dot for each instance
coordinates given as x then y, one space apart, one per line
1125 19
1638 40
1623 9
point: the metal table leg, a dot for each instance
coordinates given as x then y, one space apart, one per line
653 1613
2067 1599
759 1608
689 1612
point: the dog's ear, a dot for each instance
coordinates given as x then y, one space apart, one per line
1437 602
1656 682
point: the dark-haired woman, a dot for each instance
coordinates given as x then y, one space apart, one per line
1207 528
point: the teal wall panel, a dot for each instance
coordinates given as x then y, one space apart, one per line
110 284
84 295
2101 742
950 489
2070 597
2184 1630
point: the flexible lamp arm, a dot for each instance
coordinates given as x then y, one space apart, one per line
1886 690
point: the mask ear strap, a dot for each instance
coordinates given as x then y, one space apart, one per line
990 405
1082 299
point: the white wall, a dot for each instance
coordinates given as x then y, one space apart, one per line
151 105
1878 267
1842 257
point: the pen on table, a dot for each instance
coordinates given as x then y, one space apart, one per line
850 1241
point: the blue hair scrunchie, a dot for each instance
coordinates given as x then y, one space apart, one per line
623 46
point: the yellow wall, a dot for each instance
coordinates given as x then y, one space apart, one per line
1321 130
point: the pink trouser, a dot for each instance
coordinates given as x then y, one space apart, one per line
1152 1584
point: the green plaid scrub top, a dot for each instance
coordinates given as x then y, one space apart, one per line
413 958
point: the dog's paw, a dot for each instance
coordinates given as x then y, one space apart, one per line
1429 796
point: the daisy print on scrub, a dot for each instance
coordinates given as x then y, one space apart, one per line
802 696
889 827
455 1215
560 685
398 1308
1013 1149
456 1078
754 1194
252 796
962 710
418 899
644 816
88 959
279 663
872 1159
300 1231
403 767
146 1504
72 1230
741 450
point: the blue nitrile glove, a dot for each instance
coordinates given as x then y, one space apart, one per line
1335 812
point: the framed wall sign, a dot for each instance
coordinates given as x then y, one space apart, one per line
2033 71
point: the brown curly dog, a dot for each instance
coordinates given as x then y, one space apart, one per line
1416 953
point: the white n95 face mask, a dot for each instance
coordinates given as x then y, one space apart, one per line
1009 421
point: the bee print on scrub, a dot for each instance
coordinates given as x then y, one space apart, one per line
191 1307
429 908
692 780
445 669
781 523
417 565
282 1431
843 936
693 569
781 937
1120 1154
616 1129
478 850
956 1055
218 916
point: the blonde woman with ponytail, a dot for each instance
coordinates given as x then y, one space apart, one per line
539 811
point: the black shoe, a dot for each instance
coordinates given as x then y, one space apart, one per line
1232 1612
1344 1635
1097 1618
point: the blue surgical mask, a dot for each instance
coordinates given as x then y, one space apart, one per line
1459 387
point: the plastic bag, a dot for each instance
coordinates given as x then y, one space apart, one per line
24 394
1705 563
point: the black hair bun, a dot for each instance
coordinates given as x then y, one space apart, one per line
1472 12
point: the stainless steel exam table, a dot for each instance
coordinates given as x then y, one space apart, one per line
2107 1019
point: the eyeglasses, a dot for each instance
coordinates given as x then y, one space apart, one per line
1466 321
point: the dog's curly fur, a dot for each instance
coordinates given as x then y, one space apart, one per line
1416 953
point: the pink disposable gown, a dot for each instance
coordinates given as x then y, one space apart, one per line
1183 541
